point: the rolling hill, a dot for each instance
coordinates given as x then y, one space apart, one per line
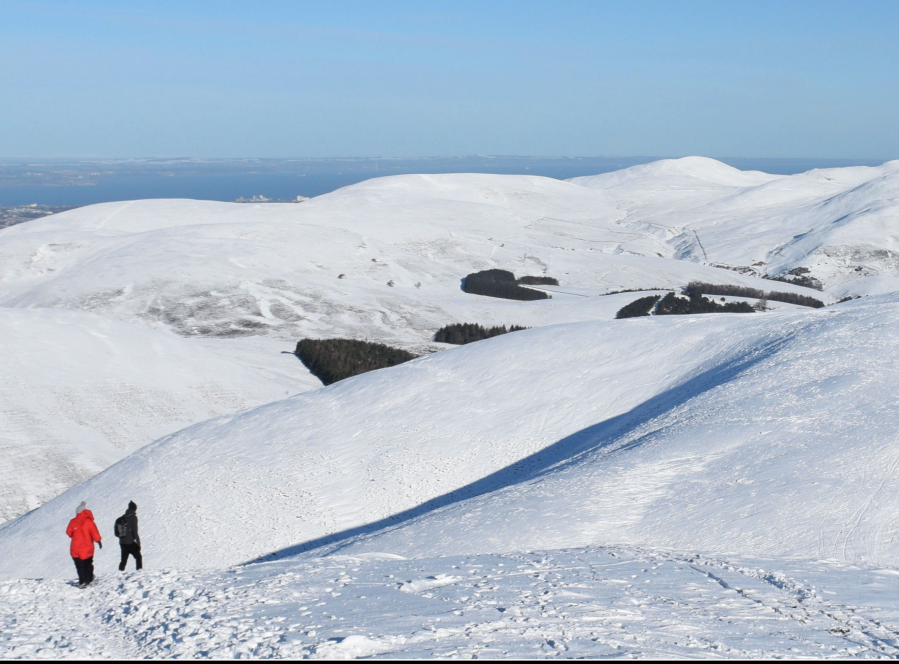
707 429
667 486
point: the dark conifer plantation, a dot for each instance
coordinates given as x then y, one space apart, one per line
745 291
539 281
331 360
671 305
499 283
640 307
466 333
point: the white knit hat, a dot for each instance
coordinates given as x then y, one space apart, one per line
82 506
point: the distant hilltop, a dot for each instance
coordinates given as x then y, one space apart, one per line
263 199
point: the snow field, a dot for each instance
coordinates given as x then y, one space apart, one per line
224 272
784 445
707 443
243 274
79 392
592 602
214 269
376 517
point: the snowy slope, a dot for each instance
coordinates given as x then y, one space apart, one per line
578 603
786 448
215 269
692 432
220 270
245 281
841 223
79 392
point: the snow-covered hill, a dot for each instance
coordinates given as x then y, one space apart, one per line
325 267
259 277
383 260
217 269
79 392
840 223
702 431
785 446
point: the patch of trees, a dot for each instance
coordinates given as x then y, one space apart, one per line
331 360
695 303
499 283
539 281
633 290
745 291
466 333
640 307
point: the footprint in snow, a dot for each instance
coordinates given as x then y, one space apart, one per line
428 583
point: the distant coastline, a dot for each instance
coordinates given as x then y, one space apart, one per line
77 182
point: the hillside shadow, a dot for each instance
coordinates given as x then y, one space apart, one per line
565 452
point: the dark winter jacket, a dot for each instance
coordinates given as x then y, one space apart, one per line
133 536
84 533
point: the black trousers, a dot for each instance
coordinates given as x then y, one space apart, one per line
85 569
130 550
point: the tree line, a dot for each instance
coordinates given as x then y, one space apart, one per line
466 333
539 281
499 283
671 305
640 307
695 303
331 360
800 276
745 291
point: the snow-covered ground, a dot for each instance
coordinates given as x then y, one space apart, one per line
594 602
251 280
717 485
79 392
323 268
700 432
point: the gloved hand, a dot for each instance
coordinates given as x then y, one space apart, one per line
100 544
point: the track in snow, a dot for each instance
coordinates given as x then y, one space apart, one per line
595 602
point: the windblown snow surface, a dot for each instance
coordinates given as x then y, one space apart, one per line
688 486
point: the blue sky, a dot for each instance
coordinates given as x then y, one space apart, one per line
418 78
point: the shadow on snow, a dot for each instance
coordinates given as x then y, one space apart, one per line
567 451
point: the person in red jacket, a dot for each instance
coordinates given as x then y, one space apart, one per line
84 533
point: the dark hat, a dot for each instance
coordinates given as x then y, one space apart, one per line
132 505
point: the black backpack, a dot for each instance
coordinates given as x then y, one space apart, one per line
122 527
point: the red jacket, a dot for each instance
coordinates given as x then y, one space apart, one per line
84 533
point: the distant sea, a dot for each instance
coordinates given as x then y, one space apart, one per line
62 182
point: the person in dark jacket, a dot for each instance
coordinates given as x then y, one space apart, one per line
84 533
129 541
